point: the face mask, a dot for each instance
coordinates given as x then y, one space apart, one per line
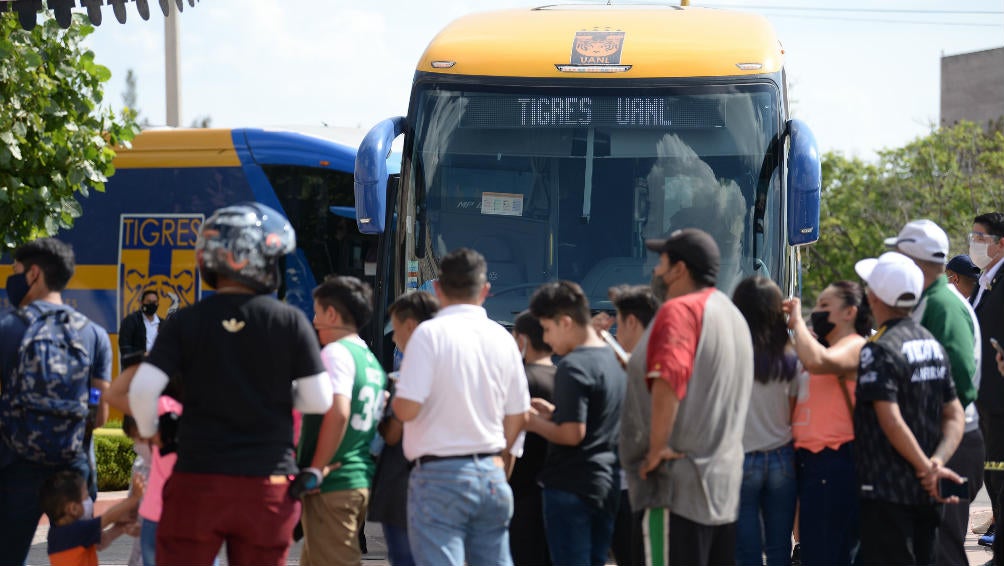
17 289
821 325
978 253
88 508
149 309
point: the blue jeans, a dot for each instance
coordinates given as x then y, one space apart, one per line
766 507
577 533
148 542
398 547
20 509
457 508
828 513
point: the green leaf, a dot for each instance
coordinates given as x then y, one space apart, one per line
72 207
32 59
102 73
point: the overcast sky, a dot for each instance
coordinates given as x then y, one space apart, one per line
863 80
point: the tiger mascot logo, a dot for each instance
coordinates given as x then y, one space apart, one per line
597 48
157 252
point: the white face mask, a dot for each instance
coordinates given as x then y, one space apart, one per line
88 508
978 253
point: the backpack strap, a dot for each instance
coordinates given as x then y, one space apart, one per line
847 396
29 313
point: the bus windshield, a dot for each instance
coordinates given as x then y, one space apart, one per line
552 183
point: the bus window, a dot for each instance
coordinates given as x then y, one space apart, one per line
329 241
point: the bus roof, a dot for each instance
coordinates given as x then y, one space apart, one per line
654 40
206 147
186 147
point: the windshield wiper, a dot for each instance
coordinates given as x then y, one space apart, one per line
770 161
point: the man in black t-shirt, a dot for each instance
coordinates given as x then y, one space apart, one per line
244 361
907 421
581 476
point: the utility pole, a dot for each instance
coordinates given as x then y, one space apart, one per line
172 66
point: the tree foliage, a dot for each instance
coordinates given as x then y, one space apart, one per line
55 138
948 176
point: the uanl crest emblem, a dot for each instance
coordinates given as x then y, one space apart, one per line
157 251
597 47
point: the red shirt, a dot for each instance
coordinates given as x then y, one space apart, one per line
672 344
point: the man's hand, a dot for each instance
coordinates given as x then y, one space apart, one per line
602 321
930 479
542 408
1000 363
653 459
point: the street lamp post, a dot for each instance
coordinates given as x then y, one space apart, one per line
172 67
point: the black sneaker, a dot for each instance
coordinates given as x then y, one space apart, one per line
796 555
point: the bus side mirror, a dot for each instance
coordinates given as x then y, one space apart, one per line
804 184
371 174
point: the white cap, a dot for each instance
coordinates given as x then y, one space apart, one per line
894 278
923 240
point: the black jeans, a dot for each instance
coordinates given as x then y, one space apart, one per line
893 534
968 463
993 440
694 544
828 492
626 543
527 540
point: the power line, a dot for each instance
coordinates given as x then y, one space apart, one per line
862 10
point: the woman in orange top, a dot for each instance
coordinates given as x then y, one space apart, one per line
822 423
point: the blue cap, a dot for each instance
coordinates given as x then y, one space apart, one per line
962 265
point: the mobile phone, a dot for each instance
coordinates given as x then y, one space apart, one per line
996 345
948 488
622 356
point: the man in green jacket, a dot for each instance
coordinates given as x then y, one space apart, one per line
947 315
336 446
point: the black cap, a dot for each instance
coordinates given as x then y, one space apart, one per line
962 265
694 247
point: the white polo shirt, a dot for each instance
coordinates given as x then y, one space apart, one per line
467 373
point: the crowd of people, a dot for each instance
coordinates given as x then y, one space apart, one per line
709 429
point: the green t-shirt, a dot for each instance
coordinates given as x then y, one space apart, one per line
357 465
945 315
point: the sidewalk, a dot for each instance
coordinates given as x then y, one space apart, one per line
118 553
978 511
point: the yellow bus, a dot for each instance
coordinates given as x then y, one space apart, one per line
555 140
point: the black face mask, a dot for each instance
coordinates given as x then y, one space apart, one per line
822 326
17 289
149 309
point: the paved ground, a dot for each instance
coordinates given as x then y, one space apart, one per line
118 553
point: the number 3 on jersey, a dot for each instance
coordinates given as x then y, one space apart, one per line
371 400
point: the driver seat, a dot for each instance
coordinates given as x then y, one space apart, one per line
503 268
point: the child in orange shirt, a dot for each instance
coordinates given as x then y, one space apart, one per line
74 537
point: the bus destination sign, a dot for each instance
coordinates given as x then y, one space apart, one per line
517 112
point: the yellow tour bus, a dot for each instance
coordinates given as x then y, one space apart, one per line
556 140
